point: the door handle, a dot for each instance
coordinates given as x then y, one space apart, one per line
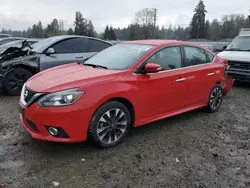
79 57
210 74
181 80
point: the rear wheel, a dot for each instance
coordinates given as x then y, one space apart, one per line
215 98
15 79
110 124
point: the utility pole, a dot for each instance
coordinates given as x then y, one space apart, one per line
155 18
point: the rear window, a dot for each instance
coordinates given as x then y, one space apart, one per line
96 46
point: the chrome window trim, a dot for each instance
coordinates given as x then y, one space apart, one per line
181 46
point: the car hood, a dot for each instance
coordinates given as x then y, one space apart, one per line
235 55
68 76
31 61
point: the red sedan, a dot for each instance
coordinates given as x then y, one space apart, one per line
124 86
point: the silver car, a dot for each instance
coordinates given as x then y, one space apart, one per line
18 65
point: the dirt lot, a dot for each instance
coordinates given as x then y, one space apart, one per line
196 149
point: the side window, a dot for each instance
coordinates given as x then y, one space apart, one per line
169 58
195 56
75 45
96 46
210 57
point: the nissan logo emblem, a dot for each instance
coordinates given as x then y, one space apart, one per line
26 94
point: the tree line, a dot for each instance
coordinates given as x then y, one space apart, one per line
144 26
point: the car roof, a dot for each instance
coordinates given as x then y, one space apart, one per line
160 42
61 37
151 42
46 42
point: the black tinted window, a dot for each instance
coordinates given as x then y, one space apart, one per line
75 45
96 46
195 56
169 58
210 57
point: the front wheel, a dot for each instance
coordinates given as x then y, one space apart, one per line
215 98
110 124
15 79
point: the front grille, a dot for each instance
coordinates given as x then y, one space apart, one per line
239 65
28 95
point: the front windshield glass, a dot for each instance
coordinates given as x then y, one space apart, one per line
38 47
241 43
119 56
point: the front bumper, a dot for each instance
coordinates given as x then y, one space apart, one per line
239 74
71 119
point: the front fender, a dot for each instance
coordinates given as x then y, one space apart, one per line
28 61
96 95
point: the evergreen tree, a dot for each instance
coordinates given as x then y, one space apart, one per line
112 35
33 31
70 31
106 33
198 21
80 24
207 26
132 34
39 30
52 29
90 29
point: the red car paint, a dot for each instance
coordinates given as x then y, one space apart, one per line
153 96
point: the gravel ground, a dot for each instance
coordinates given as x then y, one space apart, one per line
196 149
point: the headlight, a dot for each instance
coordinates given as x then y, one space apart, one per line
61 98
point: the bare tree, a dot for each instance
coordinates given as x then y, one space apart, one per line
146 19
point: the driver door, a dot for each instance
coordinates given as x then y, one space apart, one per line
67 51
165 91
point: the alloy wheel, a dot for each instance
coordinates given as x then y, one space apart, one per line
17 80
216 98
112 126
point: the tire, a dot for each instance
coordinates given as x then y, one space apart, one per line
215 99
105 134
15 79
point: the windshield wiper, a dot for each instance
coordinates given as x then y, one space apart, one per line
95 66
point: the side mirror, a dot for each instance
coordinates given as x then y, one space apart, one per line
152 67
50 51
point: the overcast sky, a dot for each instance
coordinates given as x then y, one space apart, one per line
18 14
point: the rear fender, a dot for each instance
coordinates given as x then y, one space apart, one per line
227 84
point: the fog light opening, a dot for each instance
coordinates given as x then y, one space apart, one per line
53 131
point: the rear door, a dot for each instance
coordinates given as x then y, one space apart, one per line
201 74
66 51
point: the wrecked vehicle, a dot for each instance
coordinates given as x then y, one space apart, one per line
10 39
17 44
18 64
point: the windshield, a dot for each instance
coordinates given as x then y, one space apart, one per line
241 43
39 46
120 56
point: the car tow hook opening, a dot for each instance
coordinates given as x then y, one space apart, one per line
53 131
